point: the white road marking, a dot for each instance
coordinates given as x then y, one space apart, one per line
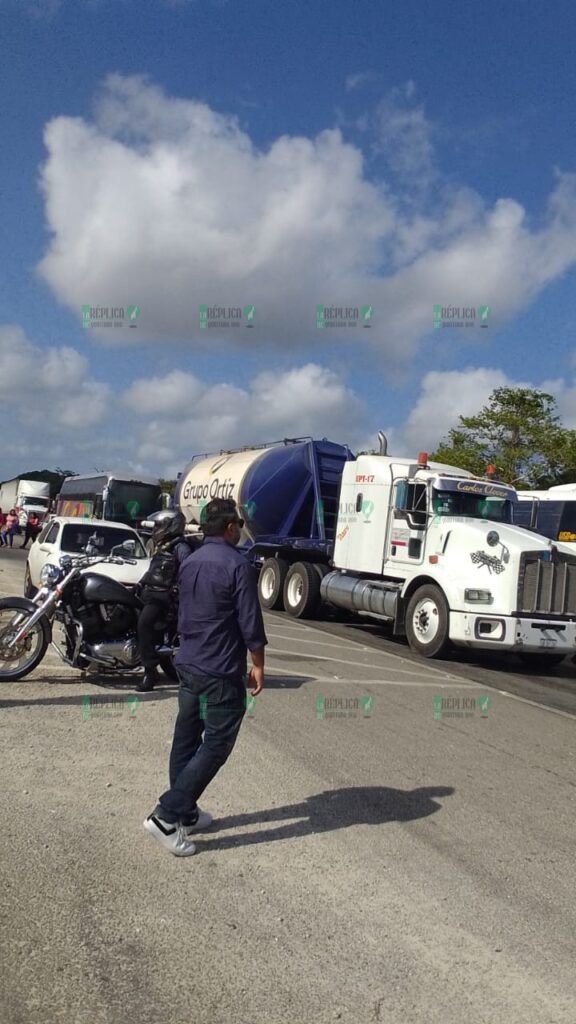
369 682
359 664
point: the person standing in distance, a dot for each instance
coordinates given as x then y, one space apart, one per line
219 619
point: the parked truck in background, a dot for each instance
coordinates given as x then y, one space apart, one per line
551 513
119 497
26 496
426 547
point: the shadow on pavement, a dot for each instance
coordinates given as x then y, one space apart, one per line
329 811
167 692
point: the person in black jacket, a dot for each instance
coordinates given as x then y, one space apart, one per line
169 549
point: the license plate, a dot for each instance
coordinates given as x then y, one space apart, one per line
547 643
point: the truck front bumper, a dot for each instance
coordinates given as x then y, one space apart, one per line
490 632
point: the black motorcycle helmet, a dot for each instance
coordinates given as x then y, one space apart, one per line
168 526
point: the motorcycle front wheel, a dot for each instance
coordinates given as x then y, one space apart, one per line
19 661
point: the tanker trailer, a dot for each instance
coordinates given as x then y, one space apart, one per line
287 493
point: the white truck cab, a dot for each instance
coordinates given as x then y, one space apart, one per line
434 549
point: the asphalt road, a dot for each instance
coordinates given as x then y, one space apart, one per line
401 861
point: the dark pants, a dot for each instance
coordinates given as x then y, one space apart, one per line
30 533
152 615
209 705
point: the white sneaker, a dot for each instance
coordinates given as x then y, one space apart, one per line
204 821
171 836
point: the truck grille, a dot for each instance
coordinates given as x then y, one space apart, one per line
547 587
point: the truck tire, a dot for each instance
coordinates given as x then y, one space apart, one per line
302 591
540 662
271 583
427 622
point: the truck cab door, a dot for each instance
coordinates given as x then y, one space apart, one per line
406 540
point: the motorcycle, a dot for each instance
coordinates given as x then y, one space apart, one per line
98 616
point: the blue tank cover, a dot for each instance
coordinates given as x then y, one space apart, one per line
292 491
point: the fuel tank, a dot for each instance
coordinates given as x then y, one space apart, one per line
275 486
101 589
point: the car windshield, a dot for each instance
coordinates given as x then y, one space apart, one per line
471 506
100 540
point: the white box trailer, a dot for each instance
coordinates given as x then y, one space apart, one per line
26 496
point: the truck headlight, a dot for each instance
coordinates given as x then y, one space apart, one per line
50 574
478 596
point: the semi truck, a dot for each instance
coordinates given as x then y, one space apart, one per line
26 496
551 513
426 547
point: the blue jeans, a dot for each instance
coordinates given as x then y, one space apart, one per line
209 705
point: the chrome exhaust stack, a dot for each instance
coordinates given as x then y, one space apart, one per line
383 442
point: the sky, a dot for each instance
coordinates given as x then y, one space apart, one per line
210 172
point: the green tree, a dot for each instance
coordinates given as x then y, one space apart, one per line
519 432
167 485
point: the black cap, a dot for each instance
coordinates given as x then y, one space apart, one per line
219 508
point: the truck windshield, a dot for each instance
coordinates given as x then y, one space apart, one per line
30 499
128 501
471 506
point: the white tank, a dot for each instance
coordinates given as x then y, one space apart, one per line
217 476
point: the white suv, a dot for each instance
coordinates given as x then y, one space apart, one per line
69 535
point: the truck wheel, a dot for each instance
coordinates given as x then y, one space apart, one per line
427 621
271 583
29 590
302 591
540 662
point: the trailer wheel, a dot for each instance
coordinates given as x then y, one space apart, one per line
302 591
427 622
271 583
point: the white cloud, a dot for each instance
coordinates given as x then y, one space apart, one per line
51 410
48 385
360 78
191 417
444 397
405 135
166 203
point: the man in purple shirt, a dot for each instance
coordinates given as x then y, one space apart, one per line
219 619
